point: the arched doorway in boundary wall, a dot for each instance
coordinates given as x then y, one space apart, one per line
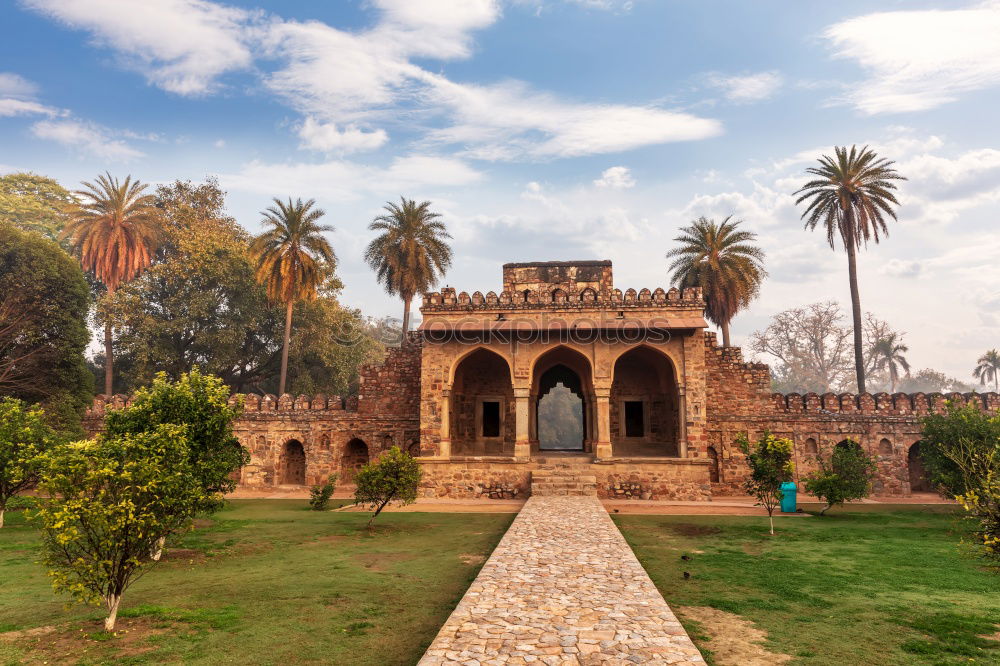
562 402
482 406
355 457
293 464
645 405
919 483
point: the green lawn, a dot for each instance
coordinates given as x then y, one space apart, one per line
263 582
859 586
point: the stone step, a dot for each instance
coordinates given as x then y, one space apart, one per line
564 486
563 492
564 479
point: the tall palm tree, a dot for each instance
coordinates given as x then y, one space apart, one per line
851 196
888 354
722 259
115 231
988 368
292 258
411 254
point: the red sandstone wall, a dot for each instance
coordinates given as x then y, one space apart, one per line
392 388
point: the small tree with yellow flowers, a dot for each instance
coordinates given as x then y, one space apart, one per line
110 502
770 462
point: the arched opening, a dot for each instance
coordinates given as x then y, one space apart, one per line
293 467
560 410
645 405
884 447
811 447
413 448
919 483
355 457
482 406
713 469
562 398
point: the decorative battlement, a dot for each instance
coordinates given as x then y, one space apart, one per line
881 404
559 299
251 403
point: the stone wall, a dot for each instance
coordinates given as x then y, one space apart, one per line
886 426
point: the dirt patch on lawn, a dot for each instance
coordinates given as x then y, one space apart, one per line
732 640
691 529
185 555
472 558
380 561
73 643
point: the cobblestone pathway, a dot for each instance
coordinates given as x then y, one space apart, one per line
562 587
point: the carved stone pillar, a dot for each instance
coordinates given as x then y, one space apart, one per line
682 445
602 445
522 421
445 449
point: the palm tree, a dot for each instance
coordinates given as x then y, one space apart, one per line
988 368
887 354
723 260
115 231
293 259
411 254
851 197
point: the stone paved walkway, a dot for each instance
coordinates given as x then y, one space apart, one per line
562 587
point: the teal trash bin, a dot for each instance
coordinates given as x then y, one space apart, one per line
788 497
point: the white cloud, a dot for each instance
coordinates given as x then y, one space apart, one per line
747 88
21 107
15 85
344 180
616 178
509 121
920 59
85 137
180 45
220 143
435 28
326 137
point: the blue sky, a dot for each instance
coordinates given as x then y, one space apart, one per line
547 129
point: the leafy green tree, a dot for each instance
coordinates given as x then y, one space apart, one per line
44 301
411 253
888 354
115 231
293 260
988 368
980 470
724 261
394 477
35 203
770 463
851 196
108 503
24 438
200 405
319 495
928 380
848 476
964 427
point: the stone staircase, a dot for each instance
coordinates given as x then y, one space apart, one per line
563 479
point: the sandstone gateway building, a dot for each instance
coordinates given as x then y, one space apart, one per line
662 402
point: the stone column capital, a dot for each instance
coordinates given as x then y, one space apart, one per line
522 393
602 393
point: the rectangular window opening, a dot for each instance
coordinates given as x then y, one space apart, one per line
491 418
634 424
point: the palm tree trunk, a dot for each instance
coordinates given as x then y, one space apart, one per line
284 349
108 354
406 316
725 334
852 271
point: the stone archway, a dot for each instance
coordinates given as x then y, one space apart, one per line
563 378
919 483
645 405
355 457
482 406
293 464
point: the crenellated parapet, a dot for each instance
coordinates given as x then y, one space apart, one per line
269 402
880 404
559 298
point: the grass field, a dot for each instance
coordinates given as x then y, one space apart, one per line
859 586
263 582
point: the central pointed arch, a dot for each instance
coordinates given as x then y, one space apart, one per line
645 404
563 378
